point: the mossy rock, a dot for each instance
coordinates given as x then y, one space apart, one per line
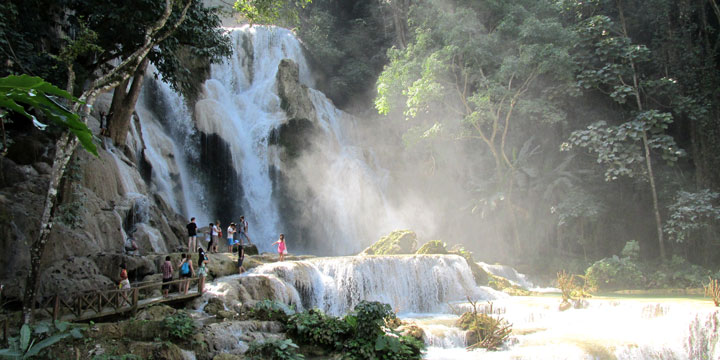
498 282
413 331
250 249
228 357
163 350
214 306
397 242
432 247
156 312
481 276
504 285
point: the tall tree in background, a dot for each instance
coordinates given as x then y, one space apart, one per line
468 76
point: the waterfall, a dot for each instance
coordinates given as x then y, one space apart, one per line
240 106
167 144
410 284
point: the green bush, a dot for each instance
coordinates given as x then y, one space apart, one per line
33 341
274 350
615 273
180 326
270 310
314 327
678 273
361 335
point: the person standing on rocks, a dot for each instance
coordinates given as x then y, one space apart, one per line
202 269
282 248
209 236
243 228
217 235
167 271
186 272
192 235
241 258
230 234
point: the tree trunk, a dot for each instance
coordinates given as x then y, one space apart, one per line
656 207
64 148
66 145
123 105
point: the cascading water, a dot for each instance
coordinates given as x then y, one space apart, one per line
419 283
168 146
241 107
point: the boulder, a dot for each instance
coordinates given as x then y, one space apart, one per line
294 97
432 247
72 275
155 313
397 242
233 337
250 249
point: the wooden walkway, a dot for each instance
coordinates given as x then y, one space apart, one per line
95 304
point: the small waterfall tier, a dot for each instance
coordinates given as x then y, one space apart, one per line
411 284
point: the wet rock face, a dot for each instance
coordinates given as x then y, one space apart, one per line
234 337
97 196
294 98
72 275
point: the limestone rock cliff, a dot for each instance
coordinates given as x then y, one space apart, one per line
102 201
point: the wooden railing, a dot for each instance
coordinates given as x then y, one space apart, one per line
97 303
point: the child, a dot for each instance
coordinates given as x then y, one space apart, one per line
282 249
167 271
124 282
241 258
217 235
202 269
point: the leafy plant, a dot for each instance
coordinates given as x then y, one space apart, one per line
16 92
712 289
270 310
180 326
615 273
314 327
488 332
34 340
274 350
690 212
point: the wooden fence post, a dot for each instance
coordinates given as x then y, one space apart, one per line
56 308
135 301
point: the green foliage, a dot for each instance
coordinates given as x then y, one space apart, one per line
269 11
676 273
270 310
33 340
16 92
363 334
314 327
180 326
620 147
691 212
274 349
631 250
615 273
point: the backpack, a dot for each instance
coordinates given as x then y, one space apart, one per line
185 268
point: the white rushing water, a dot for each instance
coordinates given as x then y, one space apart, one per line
241 106
166 128
412 284
430 290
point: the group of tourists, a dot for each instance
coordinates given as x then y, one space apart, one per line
236 235
186 271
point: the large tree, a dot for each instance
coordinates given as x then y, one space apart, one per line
480 73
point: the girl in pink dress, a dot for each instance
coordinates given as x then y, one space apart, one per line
282 249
